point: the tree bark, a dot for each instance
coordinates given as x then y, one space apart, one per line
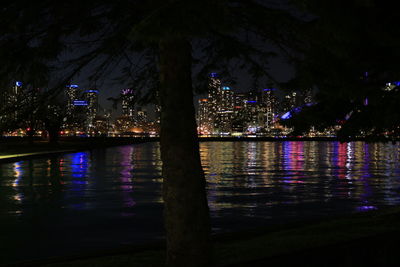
54 133
186 210
30 135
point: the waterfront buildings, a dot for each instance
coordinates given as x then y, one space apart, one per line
256 112
91 97
204 121
128 103
270 107
72 96
223 112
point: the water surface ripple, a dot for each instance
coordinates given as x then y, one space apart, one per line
110 197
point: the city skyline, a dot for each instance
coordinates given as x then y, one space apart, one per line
224 112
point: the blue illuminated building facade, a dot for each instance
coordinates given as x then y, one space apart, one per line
82 108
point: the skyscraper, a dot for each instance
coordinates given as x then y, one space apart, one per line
72 95
15 92
14 100
227 99
141 117
17 89
92 98
225 110
3 106
238 121
204 122
128 99
269 103
214 99
253 115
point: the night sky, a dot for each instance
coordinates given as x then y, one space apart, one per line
280 69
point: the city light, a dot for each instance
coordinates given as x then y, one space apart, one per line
92 91
80 103
126 91
223 112
286 116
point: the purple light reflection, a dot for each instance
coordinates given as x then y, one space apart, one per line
366 208
366 175
126 177
293 162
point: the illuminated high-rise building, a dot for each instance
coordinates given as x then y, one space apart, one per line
128 99
269 105
239 100
15 92
72 93
17 89
214 98
204 122
157 109
92 99
3 106
238 120
14 100
252 115
220 105
141 116
225 110
253 112
227 99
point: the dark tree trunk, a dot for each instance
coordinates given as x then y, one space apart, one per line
30 135
187 219
54 133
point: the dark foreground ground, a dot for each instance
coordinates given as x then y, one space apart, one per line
367 239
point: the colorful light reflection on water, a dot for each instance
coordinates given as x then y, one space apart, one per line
300 178
109 197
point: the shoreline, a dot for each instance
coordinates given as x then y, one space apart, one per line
19 149
5 140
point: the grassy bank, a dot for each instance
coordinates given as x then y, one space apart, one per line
367 239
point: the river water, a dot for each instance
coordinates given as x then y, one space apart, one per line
107 198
